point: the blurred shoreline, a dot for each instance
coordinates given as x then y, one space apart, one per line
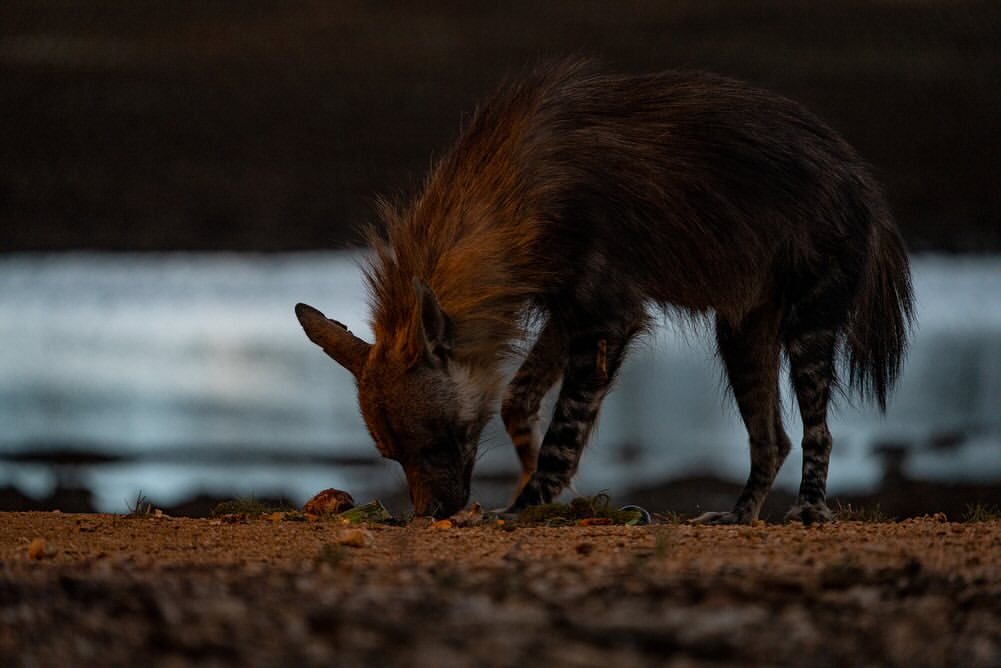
182 374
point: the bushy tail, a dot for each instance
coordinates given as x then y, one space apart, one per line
881 316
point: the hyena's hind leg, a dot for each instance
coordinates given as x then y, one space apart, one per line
541 370
813 326
750 353
811 364
594 356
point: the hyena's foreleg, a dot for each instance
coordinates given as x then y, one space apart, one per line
594 356
750 353
541 370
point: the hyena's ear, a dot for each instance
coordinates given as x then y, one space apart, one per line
436 328
347 349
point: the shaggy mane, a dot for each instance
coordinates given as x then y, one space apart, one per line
469 235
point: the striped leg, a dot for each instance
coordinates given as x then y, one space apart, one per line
811 363
520 409
811 335
594 358
750 354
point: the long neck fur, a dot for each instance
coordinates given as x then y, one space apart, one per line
471 235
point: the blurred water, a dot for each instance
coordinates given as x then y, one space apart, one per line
192 359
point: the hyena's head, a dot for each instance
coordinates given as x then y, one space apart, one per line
422 408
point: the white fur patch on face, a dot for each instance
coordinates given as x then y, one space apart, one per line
472 389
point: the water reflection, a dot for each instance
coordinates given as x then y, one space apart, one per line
192 371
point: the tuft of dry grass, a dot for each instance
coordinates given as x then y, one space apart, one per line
250 507
982 512
846 512
668 517
140 507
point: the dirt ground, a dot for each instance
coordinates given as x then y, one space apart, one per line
108 590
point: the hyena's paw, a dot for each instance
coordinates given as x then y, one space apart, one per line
530 495
721 518
810 513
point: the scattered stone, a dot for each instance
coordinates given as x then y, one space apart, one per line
354 538
36 550
894 594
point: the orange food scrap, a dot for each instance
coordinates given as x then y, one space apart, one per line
442 524
594 521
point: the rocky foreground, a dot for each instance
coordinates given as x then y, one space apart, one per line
108 590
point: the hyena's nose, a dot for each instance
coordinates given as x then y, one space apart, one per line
420 502
443 509
427 504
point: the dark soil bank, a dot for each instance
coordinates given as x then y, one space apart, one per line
265 125
104 590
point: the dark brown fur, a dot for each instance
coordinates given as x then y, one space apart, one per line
583 198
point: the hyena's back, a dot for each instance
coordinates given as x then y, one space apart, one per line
684 188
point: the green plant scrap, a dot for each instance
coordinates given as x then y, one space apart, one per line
578 511
370 513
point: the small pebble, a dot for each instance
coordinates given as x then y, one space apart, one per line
36 550
354 538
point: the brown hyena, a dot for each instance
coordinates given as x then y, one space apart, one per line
579 199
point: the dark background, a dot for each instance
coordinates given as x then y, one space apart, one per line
258 125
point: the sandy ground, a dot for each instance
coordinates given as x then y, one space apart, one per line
107 590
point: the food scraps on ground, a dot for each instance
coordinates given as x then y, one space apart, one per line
337 505
470 517
584 510
373 512
329 502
